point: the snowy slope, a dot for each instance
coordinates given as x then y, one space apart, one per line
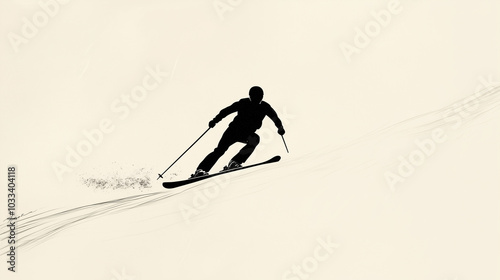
257 224
391 111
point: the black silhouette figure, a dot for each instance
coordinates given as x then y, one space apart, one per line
251 112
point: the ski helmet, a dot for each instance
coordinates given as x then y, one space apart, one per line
256 94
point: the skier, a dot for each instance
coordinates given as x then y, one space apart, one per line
251 112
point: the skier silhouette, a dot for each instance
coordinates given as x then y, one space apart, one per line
251 112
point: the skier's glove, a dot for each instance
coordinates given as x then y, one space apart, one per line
281 130
211 124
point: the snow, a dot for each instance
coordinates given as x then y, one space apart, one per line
412 95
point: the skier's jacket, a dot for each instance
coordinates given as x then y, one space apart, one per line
250 115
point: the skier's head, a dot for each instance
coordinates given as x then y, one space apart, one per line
256 94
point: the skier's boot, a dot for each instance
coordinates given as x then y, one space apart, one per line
231 165
198 173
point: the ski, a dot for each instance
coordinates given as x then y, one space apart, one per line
175 184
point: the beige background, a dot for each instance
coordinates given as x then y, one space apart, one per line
347 123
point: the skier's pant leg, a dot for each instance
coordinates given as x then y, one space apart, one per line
251 143
227 139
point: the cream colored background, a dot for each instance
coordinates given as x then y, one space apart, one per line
442 223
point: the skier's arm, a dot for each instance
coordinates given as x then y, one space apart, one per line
226 111
274 117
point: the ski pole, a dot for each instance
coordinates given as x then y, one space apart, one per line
161 175
285 143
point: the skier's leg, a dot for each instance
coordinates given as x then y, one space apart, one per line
227 139
251 142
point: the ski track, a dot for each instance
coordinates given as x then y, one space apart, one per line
39 226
